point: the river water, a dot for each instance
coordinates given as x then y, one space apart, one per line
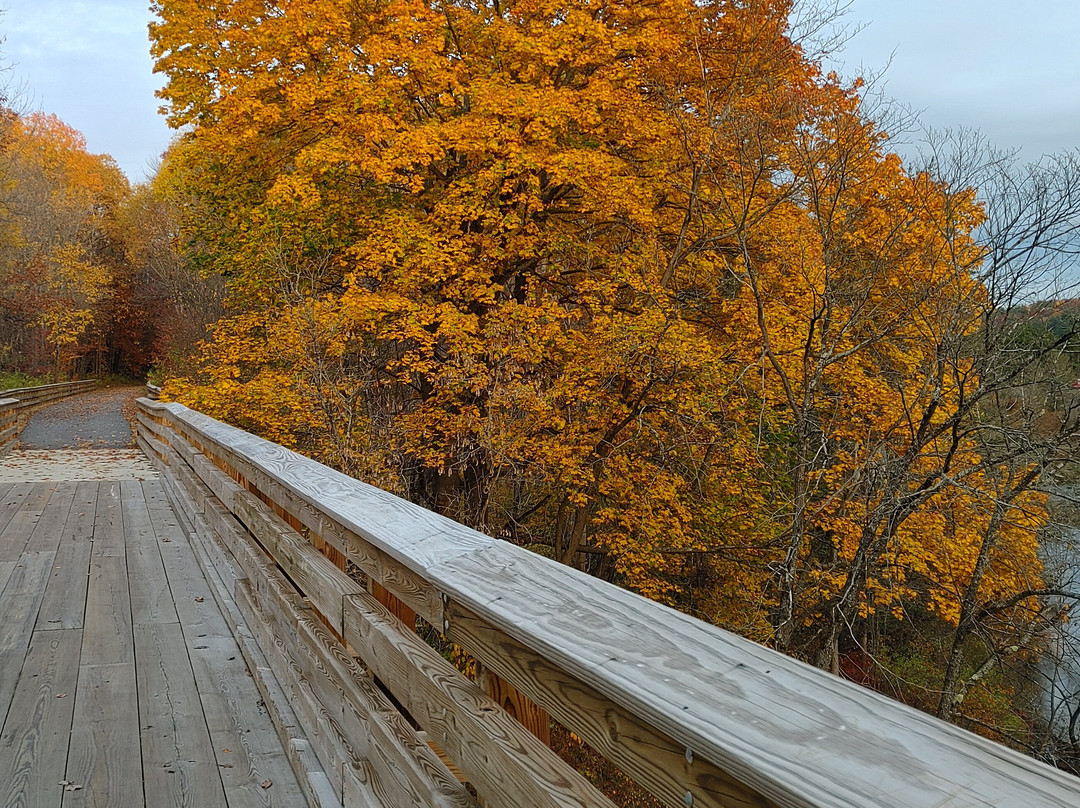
1061 669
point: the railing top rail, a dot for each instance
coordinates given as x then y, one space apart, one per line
791 733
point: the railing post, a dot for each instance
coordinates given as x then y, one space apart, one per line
530 715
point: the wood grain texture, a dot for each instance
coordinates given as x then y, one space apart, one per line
104 755
394 749
506 762
652 758
22 508
109 521
107 624
235 709
8 503
522 709
312 572
316 785
34 742
148 586
64 602
786 730
49 528
400 768
179 764
230 700
19 604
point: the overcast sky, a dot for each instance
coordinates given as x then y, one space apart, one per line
1010 69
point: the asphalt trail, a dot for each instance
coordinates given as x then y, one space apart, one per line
94 420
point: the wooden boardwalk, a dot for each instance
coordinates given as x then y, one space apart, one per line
120 681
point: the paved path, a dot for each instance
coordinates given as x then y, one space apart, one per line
86 437
94 420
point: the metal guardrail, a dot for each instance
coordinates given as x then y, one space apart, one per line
696 715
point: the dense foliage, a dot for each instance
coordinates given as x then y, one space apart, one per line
634 284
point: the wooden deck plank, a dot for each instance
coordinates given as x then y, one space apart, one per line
179 762
109 521
116 698
64 604
19 604
151 597
6 568
49 527
24 505
104 759
5 508
231 702
34 742
107 628
11 499
80 523
107 625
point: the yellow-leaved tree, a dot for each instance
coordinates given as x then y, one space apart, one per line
59 201
634 284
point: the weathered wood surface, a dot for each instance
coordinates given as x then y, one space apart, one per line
109 694
236 719
36 735
64 603
752 726
496 753
33 397
9 430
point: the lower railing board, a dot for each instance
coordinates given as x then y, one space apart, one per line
221 710
506 763
317 786
413 774
403 770
313 573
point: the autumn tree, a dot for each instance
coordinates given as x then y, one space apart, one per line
164 306
58 200
636 285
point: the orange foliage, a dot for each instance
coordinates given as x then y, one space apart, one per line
632 282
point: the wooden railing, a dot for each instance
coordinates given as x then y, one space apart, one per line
18 404
697 716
